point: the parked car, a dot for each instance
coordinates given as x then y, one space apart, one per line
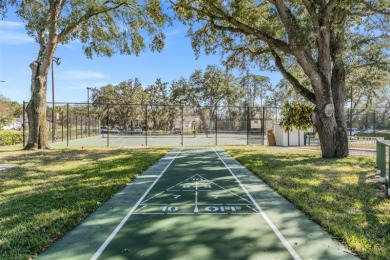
115 130
137 130
176 130
352 131
103 130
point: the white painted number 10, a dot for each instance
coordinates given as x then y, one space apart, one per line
170 209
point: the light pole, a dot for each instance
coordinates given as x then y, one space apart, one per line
89 120
58 62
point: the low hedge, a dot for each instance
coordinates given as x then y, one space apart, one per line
10 137
386 135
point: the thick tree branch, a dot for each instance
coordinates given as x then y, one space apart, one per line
328 9
89 14
366 65
312 12
310 96
242 49
241 27
375 10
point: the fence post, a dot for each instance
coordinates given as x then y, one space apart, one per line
377 157
146 125
24 123
108 126
216 127
76 127
374 123
247 124
262 134
382 162
182 125
67 124
62 129
388 168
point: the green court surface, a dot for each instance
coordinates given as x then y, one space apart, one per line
125 141
197 203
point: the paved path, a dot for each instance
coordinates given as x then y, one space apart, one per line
197 204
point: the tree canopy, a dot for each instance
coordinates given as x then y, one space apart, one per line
9 110
207 90
309 42
102 27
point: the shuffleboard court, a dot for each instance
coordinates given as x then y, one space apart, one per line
197 204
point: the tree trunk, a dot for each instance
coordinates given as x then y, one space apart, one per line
333 137
36 111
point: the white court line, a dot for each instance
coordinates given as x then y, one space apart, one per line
266 218
125 141
140 208
149 213
152 197
205 179
175 185
227 190
116 230
180 213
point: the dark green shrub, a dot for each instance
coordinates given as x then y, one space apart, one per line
10 137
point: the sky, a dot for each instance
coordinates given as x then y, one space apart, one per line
76 72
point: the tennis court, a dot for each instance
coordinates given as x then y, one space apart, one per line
199 139
197 203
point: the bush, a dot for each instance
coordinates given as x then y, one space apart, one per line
10 137
386 135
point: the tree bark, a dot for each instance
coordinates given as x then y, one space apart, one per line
36 110
333 137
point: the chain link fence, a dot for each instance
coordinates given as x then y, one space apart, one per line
129 125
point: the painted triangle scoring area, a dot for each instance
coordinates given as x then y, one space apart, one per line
196 195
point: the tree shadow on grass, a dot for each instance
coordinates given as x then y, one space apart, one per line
342 195
41 200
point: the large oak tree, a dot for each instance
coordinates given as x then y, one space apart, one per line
313 38
103 28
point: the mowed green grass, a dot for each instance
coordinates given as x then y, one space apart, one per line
50 191
342 195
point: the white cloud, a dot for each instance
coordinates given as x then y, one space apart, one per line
81 74
14 38
83 86
173 32
11 25
13 33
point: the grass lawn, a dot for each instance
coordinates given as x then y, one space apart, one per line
49 192
342 195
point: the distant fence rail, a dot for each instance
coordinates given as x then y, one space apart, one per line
125 125
383 167
174 124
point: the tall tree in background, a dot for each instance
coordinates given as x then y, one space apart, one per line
9 110
158 100
313 37
255 87
207 90
124 102
103 27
